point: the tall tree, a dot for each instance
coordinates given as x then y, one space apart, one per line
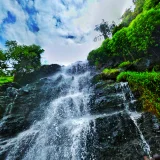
105 29
24 59
3 64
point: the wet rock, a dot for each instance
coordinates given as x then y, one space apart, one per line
19 108
11 92
150 127
12 124
44 71
115 138
7 85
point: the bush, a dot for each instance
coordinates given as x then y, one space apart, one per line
140 32
4 80
147 83
150 4
100 55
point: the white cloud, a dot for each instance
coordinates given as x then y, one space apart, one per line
77 21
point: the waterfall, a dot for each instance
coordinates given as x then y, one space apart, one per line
62 133
82 121
134 115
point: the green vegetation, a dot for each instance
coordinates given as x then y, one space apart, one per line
110 71
124 64
151 4
24 59
4 80
105 29
18 60
134 46
137 36
147 84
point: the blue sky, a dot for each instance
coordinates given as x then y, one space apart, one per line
64 28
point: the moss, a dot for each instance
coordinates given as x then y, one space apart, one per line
110 71
109 74
147 84
124 64
4 80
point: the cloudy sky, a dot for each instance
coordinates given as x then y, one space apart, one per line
64 28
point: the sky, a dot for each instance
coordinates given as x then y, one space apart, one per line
63 28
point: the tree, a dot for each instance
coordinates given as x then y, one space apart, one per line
150 4
141 32
3 64
127 17
100 55
24 59
121 45
105 29
138 6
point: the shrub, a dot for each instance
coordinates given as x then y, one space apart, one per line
147 83
4 80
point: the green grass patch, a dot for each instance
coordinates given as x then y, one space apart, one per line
4 80
110 71
148 85
124 64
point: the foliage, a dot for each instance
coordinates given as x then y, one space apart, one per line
121 45
127 17
147 83
3 64
150 4
139 39
138 6
124 64
4 80
24 59
100 55
110 71
140 31
105 29
116 29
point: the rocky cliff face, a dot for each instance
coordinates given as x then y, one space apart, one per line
121 131
118 131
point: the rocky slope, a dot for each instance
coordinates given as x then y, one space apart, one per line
119 130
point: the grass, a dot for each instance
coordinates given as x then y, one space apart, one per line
148 84
4 80
110 71
124 64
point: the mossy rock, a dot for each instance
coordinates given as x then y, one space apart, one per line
108 74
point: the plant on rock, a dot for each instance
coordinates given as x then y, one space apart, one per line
147 83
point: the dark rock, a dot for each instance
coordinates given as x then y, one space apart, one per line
12 124
145 64
115 138
12 84
19 108
44 71
11 92
150 127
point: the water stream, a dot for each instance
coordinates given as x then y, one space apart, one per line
62 134
134 115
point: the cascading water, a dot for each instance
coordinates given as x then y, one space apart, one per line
82 121
134 116
62 133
